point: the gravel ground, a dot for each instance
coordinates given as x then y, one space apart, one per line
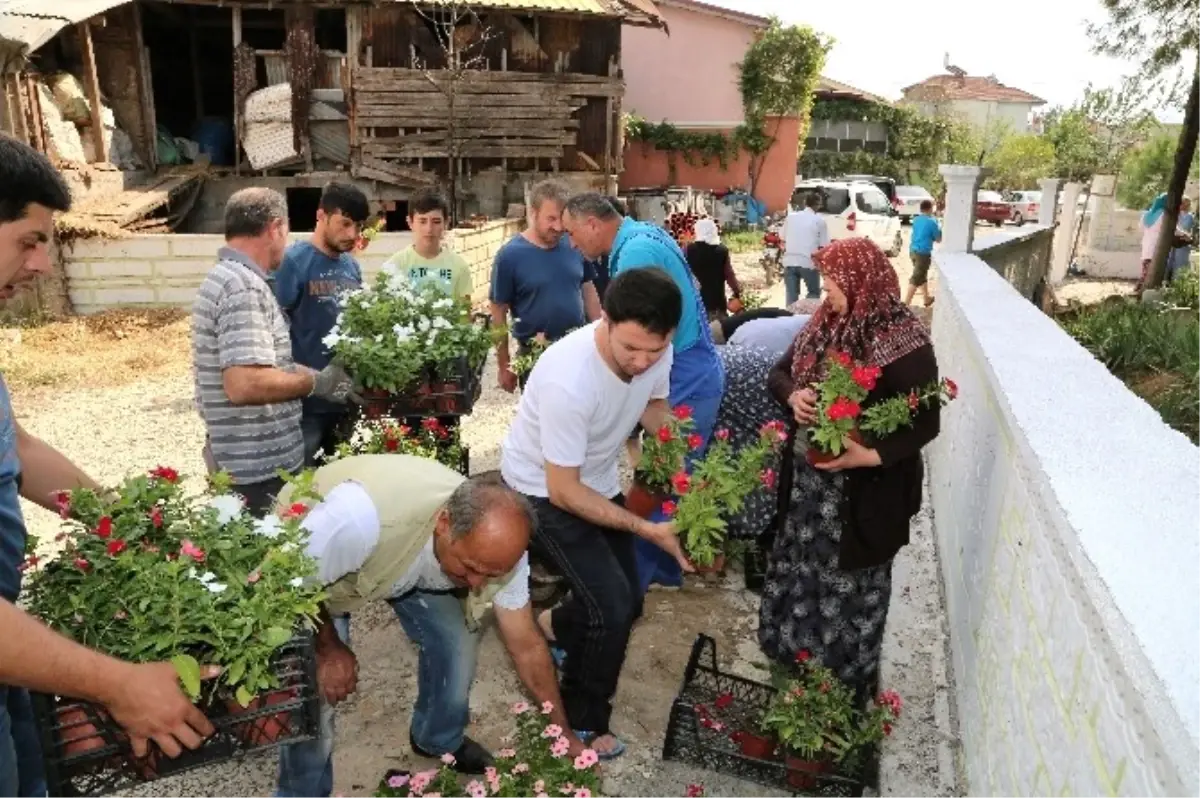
113 431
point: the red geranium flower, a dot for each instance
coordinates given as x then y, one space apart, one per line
694 441
669 509
842 408
165 473
840 357
866 376
803 656
391 444
681 482
722 434
296 510
431 424
914 401
768 478
776 428
723 700
682 412
82 564
664 434
115 547
156 517
951 388
62 500
695 790
104 528
190 549
887 729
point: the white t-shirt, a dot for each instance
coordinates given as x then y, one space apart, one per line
804 233
344 531
576 413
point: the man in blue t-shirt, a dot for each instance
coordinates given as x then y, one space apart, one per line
145 699
697 377
925 233
308 284
541 281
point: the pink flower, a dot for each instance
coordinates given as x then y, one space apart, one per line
722 434
475 789
552 731
519 768
539 786
491 774
418 782
695 790
768 478
547 707
891 700
506 753
586 759
254 576
560 747
62 501
190 549
120 615
567 788
521 707
82 564
156 517
398 781
448 759
583 792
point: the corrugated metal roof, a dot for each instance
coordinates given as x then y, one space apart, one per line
28 24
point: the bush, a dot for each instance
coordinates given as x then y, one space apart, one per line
743 241
1184 290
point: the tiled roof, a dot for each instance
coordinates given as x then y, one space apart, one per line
836 88
968 87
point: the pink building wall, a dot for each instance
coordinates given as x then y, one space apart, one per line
689 76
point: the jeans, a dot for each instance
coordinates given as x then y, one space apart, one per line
21 772
793 275
654 564
593 625
445 670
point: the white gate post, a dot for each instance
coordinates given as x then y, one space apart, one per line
1049 208
1064 236
962 184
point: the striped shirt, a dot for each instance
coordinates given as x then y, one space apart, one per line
236 321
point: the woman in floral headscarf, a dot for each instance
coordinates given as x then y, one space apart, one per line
829 578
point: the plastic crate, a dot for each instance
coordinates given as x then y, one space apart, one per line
435 396
67 727
690 741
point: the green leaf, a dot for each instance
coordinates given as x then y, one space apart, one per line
189 674
243 696
276 636
236 671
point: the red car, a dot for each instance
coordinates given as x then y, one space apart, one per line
991 207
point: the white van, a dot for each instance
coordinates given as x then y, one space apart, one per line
855 209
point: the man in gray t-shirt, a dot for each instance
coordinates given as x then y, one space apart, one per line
248 389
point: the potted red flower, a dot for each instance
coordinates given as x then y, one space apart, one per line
660 472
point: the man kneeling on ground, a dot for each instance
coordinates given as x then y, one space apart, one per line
438 548
585 395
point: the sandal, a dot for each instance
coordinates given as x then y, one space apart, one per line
588 736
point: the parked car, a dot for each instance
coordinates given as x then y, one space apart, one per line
885 184
1025 205
991 207
908 201
855 209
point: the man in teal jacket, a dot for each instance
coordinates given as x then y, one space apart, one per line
697 377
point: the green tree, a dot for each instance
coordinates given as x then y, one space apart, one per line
777 78
1019 160
1162 37
1147 171
1076 147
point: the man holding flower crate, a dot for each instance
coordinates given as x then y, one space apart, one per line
440 549
145 699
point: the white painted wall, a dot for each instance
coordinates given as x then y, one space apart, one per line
983 114
1066 517
154 270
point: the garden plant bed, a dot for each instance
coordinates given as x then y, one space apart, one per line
86 753
712 746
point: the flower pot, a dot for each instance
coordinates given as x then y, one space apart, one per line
77 731
641 501
423 396
448 396
264 729
756 746
376 403
805 774
814 456
716 567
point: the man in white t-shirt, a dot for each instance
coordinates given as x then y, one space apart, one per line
583 399
804 232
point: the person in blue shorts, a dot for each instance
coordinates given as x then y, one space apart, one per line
925 233
697 377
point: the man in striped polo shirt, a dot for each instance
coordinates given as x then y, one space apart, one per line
248 388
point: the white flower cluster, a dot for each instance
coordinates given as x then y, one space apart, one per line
208 579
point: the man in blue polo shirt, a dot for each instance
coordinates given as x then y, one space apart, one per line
697 377
925 233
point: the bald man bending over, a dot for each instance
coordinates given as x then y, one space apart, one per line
439 548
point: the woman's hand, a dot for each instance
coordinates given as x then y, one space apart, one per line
804 405
855 456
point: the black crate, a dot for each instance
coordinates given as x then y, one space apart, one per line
436 396
292 715
690 741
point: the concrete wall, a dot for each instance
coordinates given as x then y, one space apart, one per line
1021 256
150 270
690 75
1111 241
982 114
647 166
1066 517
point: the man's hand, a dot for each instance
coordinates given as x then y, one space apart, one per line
663 535
334 384
855 456
337 672
508 379
150 705
804 405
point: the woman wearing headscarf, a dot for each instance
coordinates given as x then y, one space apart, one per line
1151 225
829 578
709 261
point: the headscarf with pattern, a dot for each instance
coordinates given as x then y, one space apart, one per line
876 329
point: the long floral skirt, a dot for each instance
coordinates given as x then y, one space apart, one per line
809 603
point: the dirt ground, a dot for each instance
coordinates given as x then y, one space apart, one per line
113 427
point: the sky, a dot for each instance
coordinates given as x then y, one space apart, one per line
1041 46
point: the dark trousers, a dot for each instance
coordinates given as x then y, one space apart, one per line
260 496
593 626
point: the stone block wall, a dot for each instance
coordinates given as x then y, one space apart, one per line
1065 515
164 270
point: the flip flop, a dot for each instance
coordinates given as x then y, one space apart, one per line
587 737
559 656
